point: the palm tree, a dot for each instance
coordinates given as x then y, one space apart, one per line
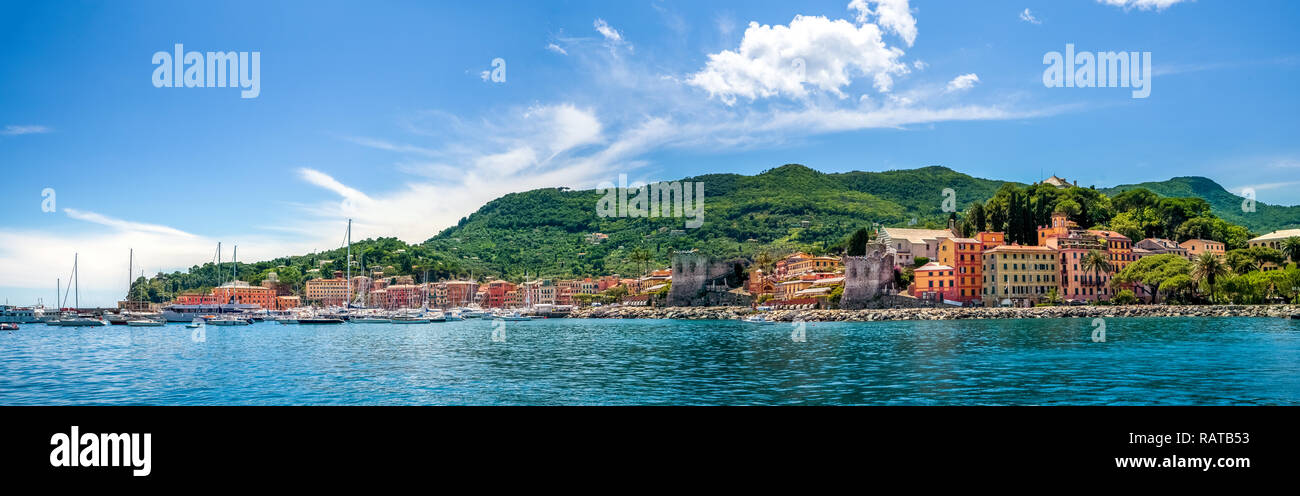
1096 262
1291 248
1208 268
1242 264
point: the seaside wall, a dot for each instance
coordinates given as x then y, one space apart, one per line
868 277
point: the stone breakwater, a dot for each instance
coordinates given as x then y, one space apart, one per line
953 313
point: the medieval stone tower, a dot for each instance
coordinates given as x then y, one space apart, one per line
692 273
868 277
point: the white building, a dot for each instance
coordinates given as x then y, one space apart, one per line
911 243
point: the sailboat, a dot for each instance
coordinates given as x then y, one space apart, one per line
78 320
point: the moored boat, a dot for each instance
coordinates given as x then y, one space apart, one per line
145 323
79 322
8 326
315 321
229 322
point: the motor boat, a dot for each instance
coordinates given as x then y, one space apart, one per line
8 326
229 321
512 317
145 323
411 320
79 322
197 323
758 319
320 320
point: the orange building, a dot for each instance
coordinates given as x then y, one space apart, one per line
1195 247
965 256
990 239
243 293
935 281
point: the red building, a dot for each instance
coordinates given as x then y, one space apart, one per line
495 293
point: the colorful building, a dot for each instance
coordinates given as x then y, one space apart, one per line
911 243
935 282
1019 275
333 291
1196 247
1076 283
965 256
1272 240
813 264
243 293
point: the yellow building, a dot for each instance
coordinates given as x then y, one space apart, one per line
1019 275
813 264
1273 240
327 291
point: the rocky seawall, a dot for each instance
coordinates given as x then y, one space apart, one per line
1061 312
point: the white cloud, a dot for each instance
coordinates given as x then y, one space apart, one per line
16 130
123 225
1142 4
1029 17
963 82
557 49
893 15
811 52
607 31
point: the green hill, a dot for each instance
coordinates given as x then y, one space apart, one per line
786 208
1265 218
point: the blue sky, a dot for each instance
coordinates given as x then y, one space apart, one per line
380 111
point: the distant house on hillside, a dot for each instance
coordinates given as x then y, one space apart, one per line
1059 182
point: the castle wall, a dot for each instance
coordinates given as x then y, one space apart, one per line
867 278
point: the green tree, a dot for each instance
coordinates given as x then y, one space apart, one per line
1291 248
1096 262
1208 268
1124 297
858 243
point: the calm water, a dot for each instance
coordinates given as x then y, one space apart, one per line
1143 361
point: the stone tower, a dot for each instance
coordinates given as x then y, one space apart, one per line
867 277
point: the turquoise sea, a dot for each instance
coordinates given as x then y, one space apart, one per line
1147 361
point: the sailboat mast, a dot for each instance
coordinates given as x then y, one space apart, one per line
76 284
218 263
349 265
130 262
